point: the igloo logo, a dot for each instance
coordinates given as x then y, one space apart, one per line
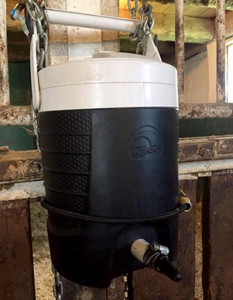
145 143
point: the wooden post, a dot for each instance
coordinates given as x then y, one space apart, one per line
179 46
221 45
4 85
16 265
220 237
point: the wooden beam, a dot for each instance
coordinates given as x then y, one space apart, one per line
218 212
221 46
16 271
4 84
229 24
205 110
209 3
20 166
16 115
196 30
179 46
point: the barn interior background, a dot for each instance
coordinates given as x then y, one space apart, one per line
196 37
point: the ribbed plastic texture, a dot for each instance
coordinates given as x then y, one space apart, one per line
65 139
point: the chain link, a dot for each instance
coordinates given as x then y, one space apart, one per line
144 29
58 286
37 129
133 10
126 287
35 9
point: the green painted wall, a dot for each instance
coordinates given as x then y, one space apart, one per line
20 86
17 137
205 127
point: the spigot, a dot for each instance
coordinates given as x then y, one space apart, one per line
155 256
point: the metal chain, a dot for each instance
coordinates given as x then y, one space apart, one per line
144 29
58 286
35 8
126 287
37 129
133 10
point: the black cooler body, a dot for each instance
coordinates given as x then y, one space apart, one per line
111 165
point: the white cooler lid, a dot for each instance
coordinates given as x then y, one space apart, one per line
96 83
108 67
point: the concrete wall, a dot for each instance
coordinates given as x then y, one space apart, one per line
68 43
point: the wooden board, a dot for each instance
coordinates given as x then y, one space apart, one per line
149 284
16 266
219 275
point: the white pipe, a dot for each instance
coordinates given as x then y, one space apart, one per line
90 21
205 166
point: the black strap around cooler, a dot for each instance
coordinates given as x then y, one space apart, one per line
88 218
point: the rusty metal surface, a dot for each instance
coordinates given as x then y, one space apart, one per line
220 237
221 45
149 284
179 46
16 266
4 84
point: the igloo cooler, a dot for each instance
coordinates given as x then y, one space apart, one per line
108 128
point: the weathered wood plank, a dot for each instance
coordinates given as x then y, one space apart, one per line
210 3
4 80
205 110
220 237
21 170
16 266
149 284
116 289
16 115
196 151
26 165
221 46
197 30
179 46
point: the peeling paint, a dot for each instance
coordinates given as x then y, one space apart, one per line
206 110
16 115
23 190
